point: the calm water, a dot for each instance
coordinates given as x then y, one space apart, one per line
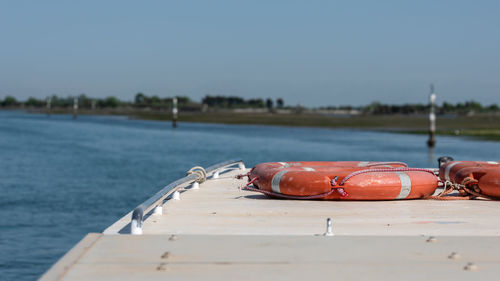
60 178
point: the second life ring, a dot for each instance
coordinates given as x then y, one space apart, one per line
483 177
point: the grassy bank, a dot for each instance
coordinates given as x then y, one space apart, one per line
479 126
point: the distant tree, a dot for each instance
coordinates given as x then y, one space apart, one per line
372 108
473 106
111 102
448 107
493 107
155 101
33 102
139 98
280 103
61 102
183 100
84 101
9 101
208 100
235 102
269 104
256 103
225 102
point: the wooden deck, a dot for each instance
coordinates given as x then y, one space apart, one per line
219 232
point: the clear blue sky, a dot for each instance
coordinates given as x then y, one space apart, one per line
309 52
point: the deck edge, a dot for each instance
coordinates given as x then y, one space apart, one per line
57 270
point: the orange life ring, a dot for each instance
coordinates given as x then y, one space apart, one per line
487 174
352 180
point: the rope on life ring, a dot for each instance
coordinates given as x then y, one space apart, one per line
384 170
467 190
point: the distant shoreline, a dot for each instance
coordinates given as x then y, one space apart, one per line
484 126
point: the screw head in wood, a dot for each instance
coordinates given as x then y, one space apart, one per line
470 266
431 239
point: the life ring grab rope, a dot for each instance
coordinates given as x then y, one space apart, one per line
383 170
383 163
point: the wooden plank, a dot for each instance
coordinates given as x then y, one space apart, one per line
238 257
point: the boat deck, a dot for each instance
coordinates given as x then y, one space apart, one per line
218 232
219 207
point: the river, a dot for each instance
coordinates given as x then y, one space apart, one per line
62 178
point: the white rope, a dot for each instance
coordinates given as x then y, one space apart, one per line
197 170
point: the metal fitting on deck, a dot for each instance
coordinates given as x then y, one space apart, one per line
329 231
195 185
135 227
241 166
176 195
158 210
136 222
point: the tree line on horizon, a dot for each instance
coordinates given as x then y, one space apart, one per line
234 102
238 102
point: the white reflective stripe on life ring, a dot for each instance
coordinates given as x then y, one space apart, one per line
308 169
405 185
448 169
275 182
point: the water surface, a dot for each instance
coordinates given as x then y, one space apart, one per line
61 178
